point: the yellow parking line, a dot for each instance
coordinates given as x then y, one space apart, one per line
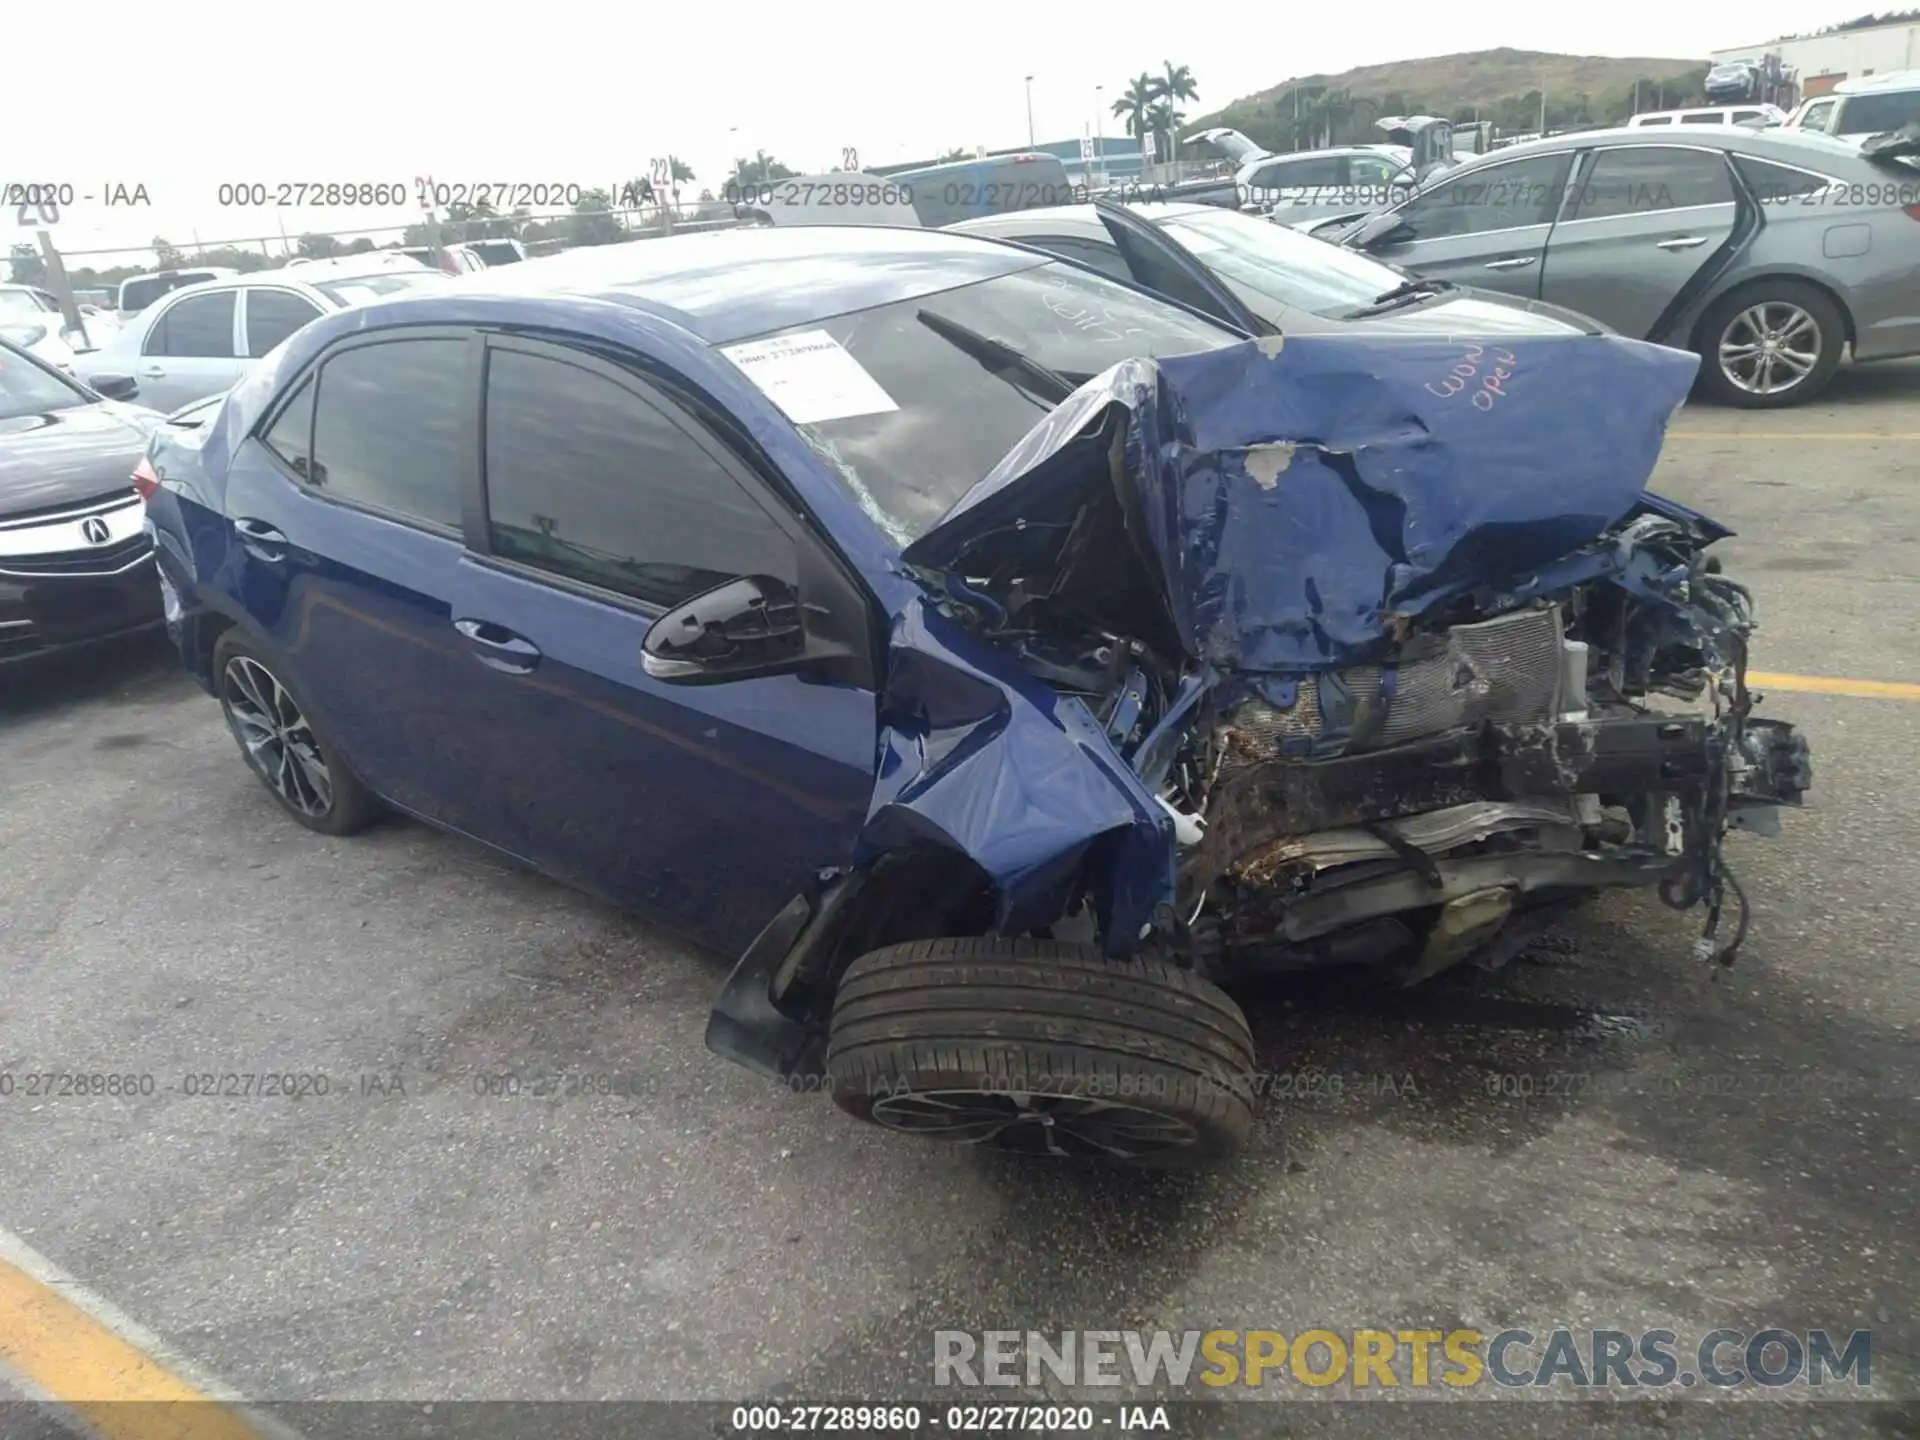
1830 685
1793 435
67 1346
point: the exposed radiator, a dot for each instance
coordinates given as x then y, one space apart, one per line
1507 670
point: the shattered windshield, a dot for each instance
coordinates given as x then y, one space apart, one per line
910 415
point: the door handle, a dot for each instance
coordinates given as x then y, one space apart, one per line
260 539
497 647
1682 242
1516 262
152 370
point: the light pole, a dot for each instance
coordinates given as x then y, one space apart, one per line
1099 143
1029 112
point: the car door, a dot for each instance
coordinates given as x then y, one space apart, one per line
1641 221
606 502
346 513
190 350
1487 227
269 314
1160 263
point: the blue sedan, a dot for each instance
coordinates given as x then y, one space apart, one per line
998 659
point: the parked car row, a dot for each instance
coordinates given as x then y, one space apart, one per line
198 340
999 656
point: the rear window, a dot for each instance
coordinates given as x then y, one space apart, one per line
138 294
941 419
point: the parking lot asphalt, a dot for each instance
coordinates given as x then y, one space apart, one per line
1602 1134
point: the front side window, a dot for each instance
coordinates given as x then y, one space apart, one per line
273 315
28 389
1372 170
588 480
938 419
1646 179
387 427
291 436
1816 117
1297 174
1507 196
199 327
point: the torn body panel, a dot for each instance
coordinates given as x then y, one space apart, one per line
1309 651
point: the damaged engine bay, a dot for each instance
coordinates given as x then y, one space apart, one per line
1524 735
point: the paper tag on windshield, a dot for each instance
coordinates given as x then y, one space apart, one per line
811 377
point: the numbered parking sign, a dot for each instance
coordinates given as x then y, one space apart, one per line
849 159
1146 145
1086 147
34 213
660 173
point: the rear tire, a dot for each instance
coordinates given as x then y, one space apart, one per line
1043 1048
283 745
1805 328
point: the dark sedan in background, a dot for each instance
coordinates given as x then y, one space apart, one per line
76 565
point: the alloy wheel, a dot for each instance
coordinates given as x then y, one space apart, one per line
275 735
1070 1126
1769 348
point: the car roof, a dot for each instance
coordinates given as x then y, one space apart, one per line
724 285
1787 146
1870 84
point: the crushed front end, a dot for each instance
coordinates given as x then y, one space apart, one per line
1400 659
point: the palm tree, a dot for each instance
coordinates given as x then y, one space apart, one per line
1164 121
1134 103
1175 84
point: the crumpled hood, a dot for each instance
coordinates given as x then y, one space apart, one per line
1299 497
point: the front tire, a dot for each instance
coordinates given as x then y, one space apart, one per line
283 746
1773 343
1043 1048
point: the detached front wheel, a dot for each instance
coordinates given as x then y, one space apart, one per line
1043 1048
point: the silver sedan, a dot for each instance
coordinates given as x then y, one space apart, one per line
1770 253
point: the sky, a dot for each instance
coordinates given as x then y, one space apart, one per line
584 92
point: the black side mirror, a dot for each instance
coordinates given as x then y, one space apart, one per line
116 387
742 629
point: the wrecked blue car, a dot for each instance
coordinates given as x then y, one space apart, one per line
996 662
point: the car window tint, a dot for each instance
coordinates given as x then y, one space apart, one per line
1324 171
1499 197
586 479
291 435
1369 170
198 327
1773 184
1872 114
1649 178
387 427
273 315
1104 258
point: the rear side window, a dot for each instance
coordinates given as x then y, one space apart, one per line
199 327
1707 119
588 480
1650 178
387 427
1777 184
273 315
1296 173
